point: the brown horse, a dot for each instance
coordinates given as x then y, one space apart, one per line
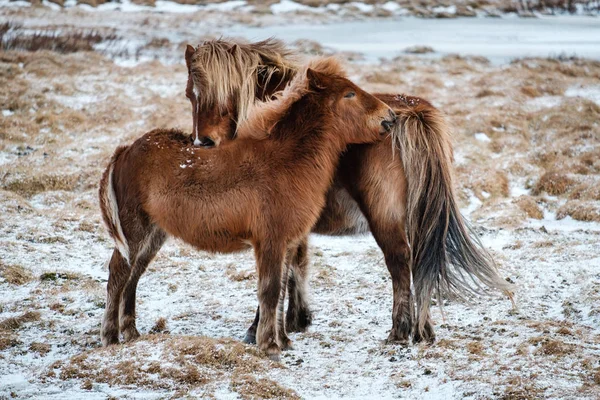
265 190
406 200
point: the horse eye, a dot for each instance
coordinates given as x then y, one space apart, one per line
349 95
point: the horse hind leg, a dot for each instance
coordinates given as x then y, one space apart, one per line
299 315
427 333
147 250
119 272
397 256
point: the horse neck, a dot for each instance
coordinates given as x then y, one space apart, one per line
313 143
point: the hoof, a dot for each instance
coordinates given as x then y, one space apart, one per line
109 340
286 344
427 337
298 322
273 352
393 340
398 336
249 339
130 334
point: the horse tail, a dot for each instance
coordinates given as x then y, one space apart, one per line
447 257
110 208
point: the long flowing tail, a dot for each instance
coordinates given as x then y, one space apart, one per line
110 208
447 257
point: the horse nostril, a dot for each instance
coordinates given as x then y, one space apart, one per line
387 125
392 115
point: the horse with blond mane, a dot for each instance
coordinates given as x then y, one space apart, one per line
266 190
405 198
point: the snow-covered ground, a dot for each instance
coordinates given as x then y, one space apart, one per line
63 115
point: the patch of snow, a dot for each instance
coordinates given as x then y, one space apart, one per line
391 6
286 6
542 102
7 113
566 224
52 6
14 4
441 9
226 6
589 92
482 137
474 204
366 8
516 191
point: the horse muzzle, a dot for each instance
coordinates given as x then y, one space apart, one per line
388 123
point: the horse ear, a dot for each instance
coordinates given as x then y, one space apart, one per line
233 49
189 52
316 80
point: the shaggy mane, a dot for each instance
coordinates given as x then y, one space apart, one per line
224 69
264 115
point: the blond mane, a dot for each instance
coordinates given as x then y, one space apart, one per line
224 69
264 115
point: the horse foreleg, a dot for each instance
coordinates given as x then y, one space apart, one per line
119 272
299 316
250 337
270 261
148 249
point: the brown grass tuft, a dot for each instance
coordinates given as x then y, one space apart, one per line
14 37
238 276
530 91
7 340
14 274
551 347
580 211
475 348
250 387
419 50
597 377
186 363
160 326
14 323
40 348
388 78
553 183
30 185
528 205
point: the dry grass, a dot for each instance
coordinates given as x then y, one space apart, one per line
419 50
475 348
15 323
553 183
530 91
28 186
529 206
580 211
186 363
239 276
160 326
14 37
40 348
251 387
14 274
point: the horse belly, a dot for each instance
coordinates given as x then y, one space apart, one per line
201 225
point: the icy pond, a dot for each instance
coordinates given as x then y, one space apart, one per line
499 39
